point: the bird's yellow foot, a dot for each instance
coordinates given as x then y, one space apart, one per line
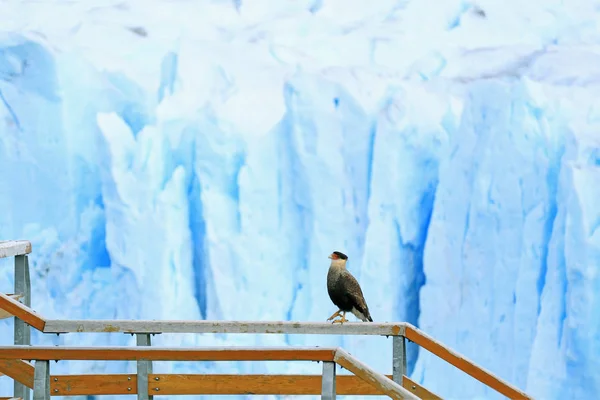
336 314
340 321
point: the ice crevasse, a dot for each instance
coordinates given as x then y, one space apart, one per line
200 160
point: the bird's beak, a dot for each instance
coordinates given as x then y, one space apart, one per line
329 256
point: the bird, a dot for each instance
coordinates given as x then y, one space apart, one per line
344 291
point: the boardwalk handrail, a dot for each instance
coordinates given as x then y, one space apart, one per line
42 356
256 327
289 327
398 329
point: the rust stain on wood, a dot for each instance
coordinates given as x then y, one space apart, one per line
111 328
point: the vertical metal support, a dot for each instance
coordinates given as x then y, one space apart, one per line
399 358
328 381
144 368
22 331
41 380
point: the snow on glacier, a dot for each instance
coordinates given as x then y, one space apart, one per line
199 160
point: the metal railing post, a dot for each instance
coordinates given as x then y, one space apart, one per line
41 380
22 331
398 358
328 381
144 368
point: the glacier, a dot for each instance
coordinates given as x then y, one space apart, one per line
200 160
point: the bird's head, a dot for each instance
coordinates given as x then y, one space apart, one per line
338 259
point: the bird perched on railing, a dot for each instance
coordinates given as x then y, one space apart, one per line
344 291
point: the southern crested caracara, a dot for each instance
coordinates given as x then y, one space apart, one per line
344 291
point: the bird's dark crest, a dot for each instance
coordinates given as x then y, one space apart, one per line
341 255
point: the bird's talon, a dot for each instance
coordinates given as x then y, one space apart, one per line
336 314
339 321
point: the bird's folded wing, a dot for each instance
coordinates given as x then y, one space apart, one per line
354 292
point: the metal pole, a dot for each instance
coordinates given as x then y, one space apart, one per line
144 368
328 381
398 358
22 331
41 380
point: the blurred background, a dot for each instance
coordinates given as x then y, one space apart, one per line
201 159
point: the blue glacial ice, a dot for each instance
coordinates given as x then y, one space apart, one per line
200 160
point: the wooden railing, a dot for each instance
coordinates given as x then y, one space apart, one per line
196 384
23 372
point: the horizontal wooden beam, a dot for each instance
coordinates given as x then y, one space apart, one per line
202 384
93 385
19 370
22 312
373 378
418 390
168 354
11 248
254 384
277 327
482 375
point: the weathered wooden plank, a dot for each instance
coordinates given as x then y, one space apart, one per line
196 384
11 248
5 314
377 380
90 385
278 327
22 312
19 370
168 354
418 390
464 364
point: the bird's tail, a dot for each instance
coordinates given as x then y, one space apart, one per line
364 315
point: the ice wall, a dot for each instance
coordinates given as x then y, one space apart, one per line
201 159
